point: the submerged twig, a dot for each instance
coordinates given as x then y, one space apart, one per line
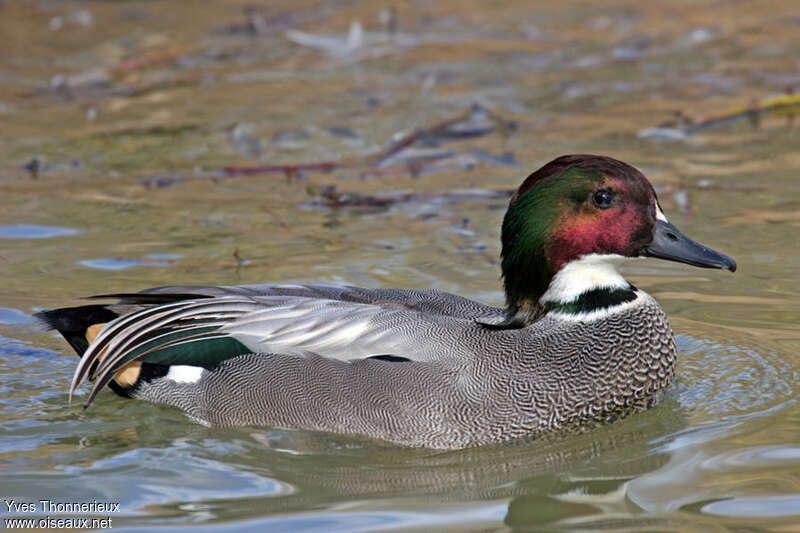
681 126
476 122
331 196
449 130
787 105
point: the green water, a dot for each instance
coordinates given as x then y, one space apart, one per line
130 109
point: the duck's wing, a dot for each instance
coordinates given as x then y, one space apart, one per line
210 329
423 300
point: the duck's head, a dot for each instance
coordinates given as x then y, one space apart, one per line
571 220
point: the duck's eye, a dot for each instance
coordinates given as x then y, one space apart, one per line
603 198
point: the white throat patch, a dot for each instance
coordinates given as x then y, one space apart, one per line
593 271
590 272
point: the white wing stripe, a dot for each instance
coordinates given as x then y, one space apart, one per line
328 327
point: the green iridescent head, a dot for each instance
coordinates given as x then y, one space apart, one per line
575 206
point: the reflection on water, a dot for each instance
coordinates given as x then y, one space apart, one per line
285 143
13 316
654 462
120 263
31 231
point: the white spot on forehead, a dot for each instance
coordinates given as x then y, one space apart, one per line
660 214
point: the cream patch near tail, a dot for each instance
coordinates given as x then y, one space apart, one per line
129 374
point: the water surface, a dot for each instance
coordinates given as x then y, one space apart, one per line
132 154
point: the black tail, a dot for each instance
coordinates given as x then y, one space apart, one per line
72 322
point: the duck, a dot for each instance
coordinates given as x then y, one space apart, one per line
575 343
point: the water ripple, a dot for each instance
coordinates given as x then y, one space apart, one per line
719 379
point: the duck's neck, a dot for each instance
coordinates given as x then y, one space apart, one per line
590 284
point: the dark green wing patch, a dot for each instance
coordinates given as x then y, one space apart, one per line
186 332
182 348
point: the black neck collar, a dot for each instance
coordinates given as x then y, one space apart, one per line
594 300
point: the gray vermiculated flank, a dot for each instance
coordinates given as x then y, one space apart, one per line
466 384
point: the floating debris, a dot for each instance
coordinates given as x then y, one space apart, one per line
240 137
662 134
357 44
240 261
162 181
681 126
633 48
335 46
679 120
699 35
39 165
83 18
785 105
507 159
291 171
331 197
93 78
345 132
416 156
479 249
291 139
408 154
476 122
255 24
34 166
